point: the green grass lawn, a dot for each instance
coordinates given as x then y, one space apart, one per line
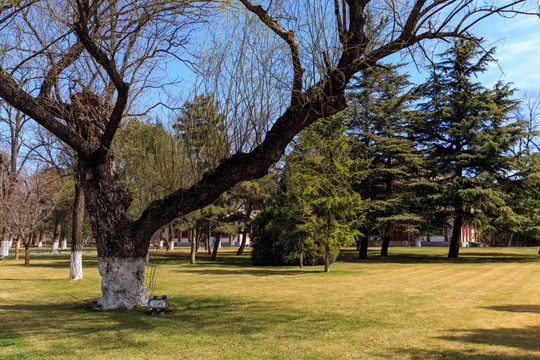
414 304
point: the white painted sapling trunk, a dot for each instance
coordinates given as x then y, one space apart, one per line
160 244
171 245
64 244
122 283
76 270
40 244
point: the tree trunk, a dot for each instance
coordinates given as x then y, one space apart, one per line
33 237
171 237
63 243
509 237
364 244
17 246
243 243
453 251
301 262
192 256
56 237
4 248
216 246
40 241
210 245
385 243
122 244
76 269
27 254
326 258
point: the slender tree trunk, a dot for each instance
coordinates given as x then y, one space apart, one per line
33 237
4 248
27 254
357 242
301 262
243 243
509 237
76 269
364 244
193 252
17 246
40 241
209 245
171 237
56 236
453 252
385 243
216 246
326 258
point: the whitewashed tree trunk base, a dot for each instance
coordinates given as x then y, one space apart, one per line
4 248
64 244
160 244
55 247
76 270
122 283
171 245
40 244
418 243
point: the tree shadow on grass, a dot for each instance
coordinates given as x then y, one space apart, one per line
527 338
49 325
248 271
423 354
535 309
468 258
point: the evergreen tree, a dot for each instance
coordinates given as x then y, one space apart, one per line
319 177
467 136
380 118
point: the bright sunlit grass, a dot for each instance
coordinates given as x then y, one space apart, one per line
415 304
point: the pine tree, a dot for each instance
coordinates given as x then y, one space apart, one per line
319 177
381 120
467 136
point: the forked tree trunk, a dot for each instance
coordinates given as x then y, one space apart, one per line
364 244
193 249
326 258
243 243
76 269
122 245
216 246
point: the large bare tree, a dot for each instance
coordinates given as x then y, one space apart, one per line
88 60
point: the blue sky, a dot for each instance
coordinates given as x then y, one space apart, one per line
518 52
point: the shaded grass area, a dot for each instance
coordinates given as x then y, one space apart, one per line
414 304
